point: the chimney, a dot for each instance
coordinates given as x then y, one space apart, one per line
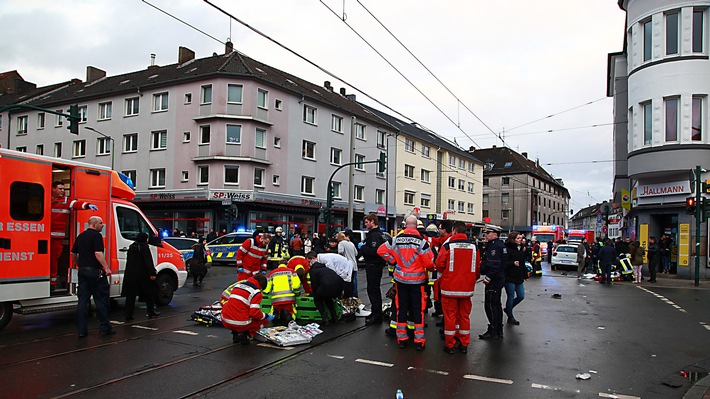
525 154
93 74
228 47
342 91
494 146
185 55
152 62
327 85
350 97
471 149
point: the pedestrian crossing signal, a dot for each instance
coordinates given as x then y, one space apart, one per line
690 205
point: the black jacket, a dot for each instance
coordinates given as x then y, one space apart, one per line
373 239
515 274
654 254
139 268
325 282
493 260
607 255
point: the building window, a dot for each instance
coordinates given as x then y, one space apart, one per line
336 156
462 163
231 174
278 104
425 151
485 182
130 142
105 110
505 181
39 150
259 177
309 150
184 176
21 148
425 202
203 174
505 198
471 167
186 137
425 175
131 175
59 120
408 145
132 106
103 146
647 40
22 125
79 149
188 98
697 121
698 31
277 142
234 94
160 102
262 97
57 150
360 162
381 139
260 139
360 131
470 187
159 140
462 205
310 114
83 112
409 171
307 184
157 178
452 160
484 213
276 180
337 189
359 193
505 214
206 96
379 197
647 123
451 205
671 105
40 120
672 35
408 198
462 185
452 182
336 123
234 134
486 198
205 134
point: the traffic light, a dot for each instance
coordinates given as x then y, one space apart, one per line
382 163
233 212
73 119
690 205
705 186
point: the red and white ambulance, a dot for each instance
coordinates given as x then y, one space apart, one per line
26 237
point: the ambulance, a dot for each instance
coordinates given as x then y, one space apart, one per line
26 242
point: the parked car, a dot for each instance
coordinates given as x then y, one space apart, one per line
184 245
564 256
223 250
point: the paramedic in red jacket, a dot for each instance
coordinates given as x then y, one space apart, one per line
242 313
458 262
412 257
301 266
61 206
252 256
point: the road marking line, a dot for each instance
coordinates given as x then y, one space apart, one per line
429 371
707 327
145 328
283 348
664 299
546 387
487 379
185 332
676 306
617 396
116 322
374 363
337 356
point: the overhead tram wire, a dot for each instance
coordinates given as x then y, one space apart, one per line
186 23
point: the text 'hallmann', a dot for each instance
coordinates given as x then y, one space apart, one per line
22 226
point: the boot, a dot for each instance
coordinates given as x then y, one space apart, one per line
331 309
488 334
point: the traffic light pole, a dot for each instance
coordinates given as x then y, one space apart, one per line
72 117
698 218
329 202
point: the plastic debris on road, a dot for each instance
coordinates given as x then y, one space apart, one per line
556 296
601 328
583 376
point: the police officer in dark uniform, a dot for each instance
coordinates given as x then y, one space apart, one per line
493 267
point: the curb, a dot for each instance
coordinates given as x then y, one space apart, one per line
699 390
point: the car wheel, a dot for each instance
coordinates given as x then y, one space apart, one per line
166 289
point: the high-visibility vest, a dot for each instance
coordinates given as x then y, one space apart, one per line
283 284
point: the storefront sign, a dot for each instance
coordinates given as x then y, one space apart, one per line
670 188
643 238
234 195
381 210
684 245
170 195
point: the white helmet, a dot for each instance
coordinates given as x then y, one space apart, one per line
279 230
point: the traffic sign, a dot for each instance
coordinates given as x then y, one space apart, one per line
605 229
599 219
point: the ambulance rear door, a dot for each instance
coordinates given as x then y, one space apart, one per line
25 217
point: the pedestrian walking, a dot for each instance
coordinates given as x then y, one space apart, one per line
637 252
374 265
139 277
515 274
88 254
493 266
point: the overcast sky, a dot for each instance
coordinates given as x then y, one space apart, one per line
510 62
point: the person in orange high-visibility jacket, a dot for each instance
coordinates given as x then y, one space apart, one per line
301 266
283 285
458 262
61 206
242 313
252 256
412 258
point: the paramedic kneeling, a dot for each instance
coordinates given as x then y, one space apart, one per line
242 313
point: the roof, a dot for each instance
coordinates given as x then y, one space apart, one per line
504 161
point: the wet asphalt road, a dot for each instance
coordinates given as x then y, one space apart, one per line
628 338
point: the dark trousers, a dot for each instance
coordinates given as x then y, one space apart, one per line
373 273
606 273
410 304
652 269
131 305
92 283
323 302
494 308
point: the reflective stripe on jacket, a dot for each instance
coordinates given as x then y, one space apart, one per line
244 304
251 256
282 284
458 262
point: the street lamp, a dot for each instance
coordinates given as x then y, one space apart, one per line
113 142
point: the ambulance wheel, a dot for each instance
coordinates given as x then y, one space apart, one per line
5 314
166 289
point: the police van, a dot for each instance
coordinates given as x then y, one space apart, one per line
35 272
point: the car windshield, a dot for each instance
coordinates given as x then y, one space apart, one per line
564 248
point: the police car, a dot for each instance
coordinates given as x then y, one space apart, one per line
184 245
223 250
